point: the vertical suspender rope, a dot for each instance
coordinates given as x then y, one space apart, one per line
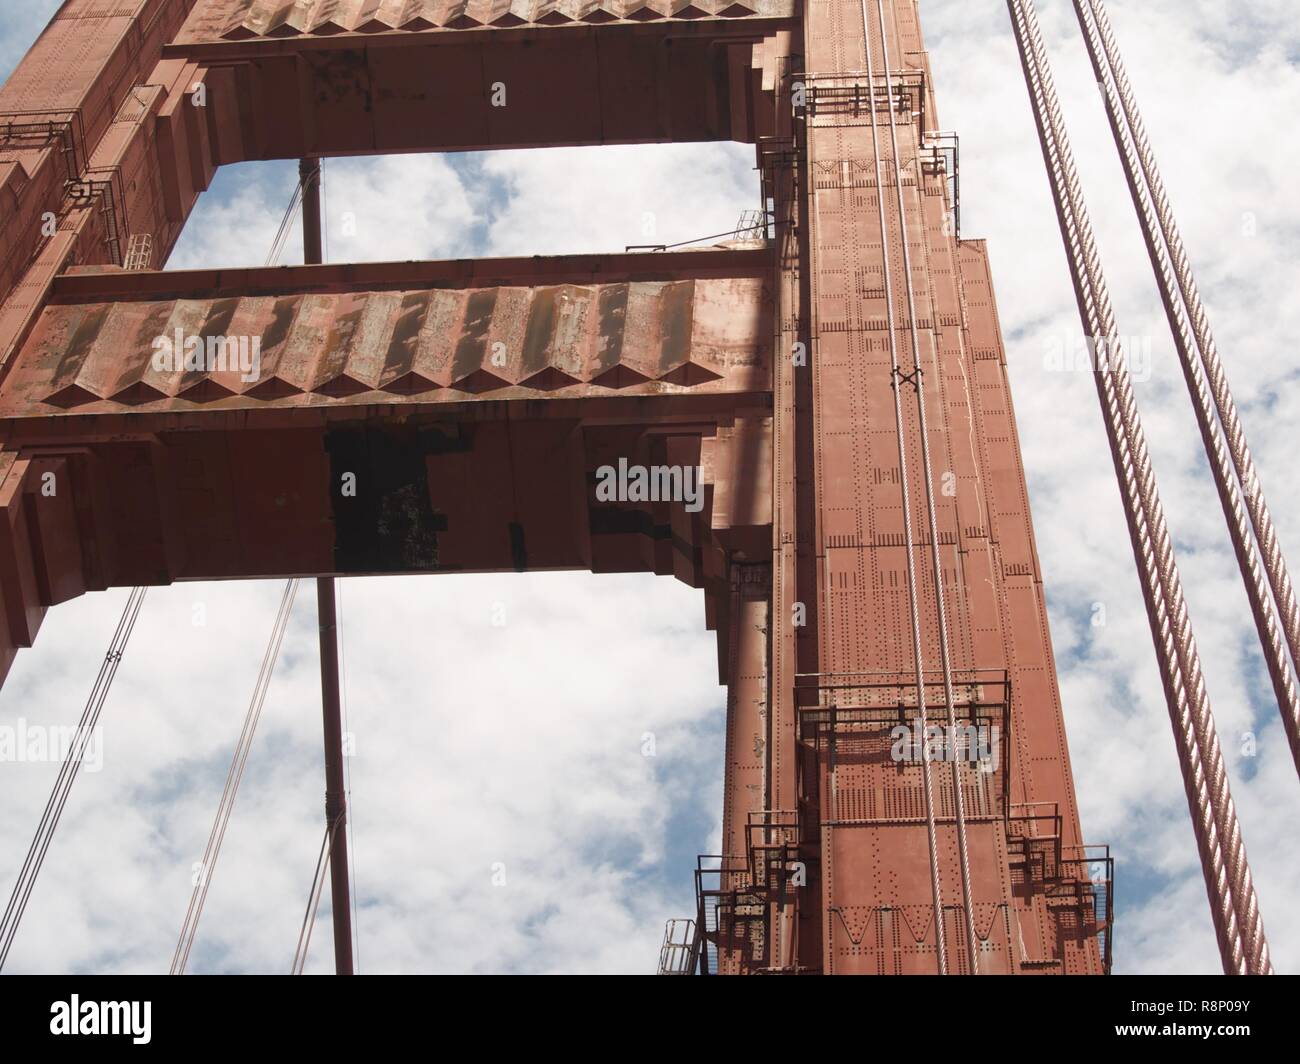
1218 834
1060 166
234 776
351 810
1216 412
1242 888
313 900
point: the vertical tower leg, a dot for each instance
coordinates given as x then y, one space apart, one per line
336 817
336 812
741 947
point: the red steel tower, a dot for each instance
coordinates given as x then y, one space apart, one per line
898 791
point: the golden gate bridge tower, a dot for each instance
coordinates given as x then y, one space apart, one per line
898 793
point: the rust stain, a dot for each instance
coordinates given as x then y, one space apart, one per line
619 335
542 317
612 304
282 316
468 364
136 372
400 361
675 303
87 324
332 377
244 19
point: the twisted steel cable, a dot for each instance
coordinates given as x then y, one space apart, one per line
1225 477
1241 886
1238 867
945 654
1214 819
1194 780
1225 441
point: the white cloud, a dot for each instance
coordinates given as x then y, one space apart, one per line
604 199
462 761
1208 108
474 744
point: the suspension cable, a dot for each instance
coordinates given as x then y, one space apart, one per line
68 770
1195 781
896 375
286 225
918 385
1227 874
71 765
1229 456
313 899
1241 885
234 776
1110 363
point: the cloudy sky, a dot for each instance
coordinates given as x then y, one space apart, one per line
479 746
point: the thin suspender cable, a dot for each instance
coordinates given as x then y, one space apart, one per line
313 901
1205 780
198 897
54 806
918 385
917 650
1242 889
234 776
58 799
1216 412
286 224
1075 229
